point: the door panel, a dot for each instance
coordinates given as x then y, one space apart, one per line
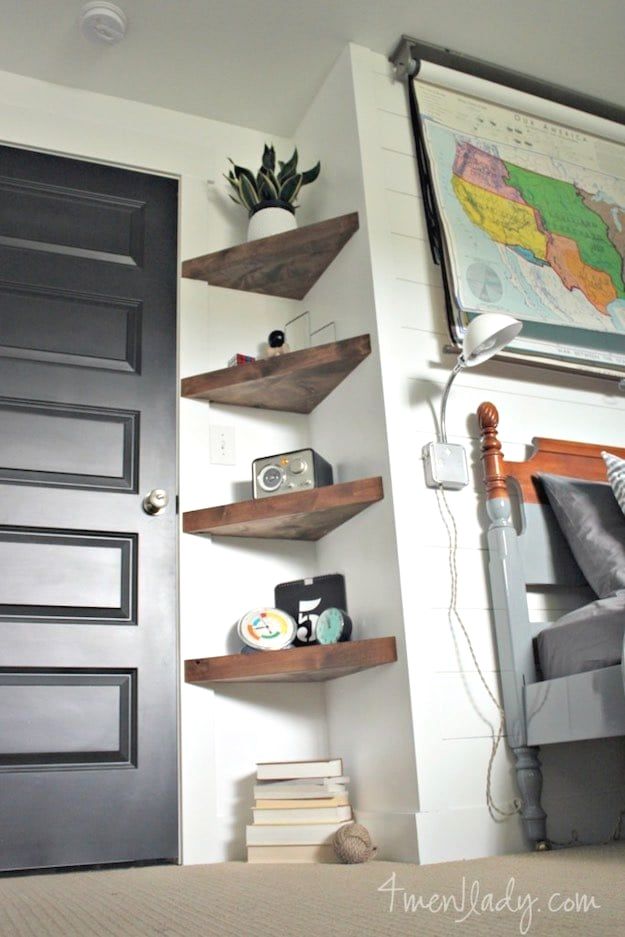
65 576
58 219
88 650
43 443
65 718
69 327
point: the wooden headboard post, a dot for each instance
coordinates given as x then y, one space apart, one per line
497 497
512 625
492 456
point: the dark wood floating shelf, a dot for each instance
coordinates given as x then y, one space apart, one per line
293 665
302 515
285 265
295 382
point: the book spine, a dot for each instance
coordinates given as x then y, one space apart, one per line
311 834
308 815
295 854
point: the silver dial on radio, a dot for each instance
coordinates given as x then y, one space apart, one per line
298 466
270 478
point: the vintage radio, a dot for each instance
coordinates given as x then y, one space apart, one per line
289 472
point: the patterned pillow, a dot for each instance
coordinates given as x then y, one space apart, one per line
616 477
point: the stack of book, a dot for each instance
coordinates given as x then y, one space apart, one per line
299 807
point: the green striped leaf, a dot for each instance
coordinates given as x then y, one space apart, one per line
287 169
311 174
269 158
289 190
267 184
249 195
241 171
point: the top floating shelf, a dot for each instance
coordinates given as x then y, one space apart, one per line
285 265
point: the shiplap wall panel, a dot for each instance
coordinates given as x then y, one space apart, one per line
396 132
423 307
405 216
454 719
449 702
413 260
448 651
465 758
399 174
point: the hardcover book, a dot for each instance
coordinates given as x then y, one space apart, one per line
288 770
310 815
302 834
314 853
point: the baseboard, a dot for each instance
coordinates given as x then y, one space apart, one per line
468 833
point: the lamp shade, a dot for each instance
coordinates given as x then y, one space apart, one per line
487 334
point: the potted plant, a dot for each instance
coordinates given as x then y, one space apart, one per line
269 196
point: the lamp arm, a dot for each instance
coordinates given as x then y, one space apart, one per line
456 370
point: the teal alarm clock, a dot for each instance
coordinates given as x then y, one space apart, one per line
333 626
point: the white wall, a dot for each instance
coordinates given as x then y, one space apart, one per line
223 735
451 712
369 719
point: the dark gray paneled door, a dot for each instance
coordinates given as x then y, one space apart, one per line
88 650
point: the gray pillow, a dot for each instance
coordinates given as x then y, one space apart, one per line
587 639
594 527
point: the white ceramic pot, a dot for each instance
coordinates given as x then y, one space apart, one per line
270 220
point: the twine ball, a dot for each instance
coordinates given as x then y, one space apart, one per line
352 844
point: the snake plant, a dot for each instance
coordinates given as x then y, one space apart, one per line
269 188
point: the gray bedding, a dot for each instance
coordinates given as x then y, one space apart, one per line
587 639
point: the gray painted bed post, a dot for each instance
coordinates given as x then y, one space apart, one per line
512 627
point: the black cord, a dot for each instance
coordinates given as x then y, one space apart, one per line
432 215
425 179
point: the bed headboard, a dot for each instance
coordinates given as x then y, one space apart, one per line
547 559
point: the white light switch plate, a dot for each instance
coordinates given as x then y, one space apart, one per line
222 445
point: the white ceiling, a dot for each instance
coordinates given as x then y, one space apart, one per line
258 63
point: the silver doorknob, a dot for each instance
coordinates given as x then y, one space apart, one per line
155 501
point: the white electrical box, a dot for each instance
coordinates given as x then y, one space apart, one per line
445 465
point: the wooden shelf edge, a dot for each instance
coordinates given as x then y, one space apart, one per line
302 515
302 664
295 382
284 265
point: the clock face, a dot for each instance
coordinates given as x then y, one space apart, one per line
330 626
268 629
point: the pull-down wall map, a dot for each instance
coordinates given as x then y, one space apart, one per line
533 216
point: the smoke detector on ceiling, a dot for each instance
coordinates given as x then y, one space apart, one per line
101 21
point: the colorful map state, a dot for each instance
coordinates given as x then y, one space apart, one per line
564 258
504 220
484 169
546 220
614 218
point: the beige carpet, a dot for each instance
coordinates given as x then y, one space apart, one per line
529 894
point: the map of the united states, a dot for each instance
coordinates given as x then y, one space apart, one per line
546 221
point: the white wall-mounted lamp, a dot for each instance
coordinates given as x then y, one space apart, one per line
446 463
